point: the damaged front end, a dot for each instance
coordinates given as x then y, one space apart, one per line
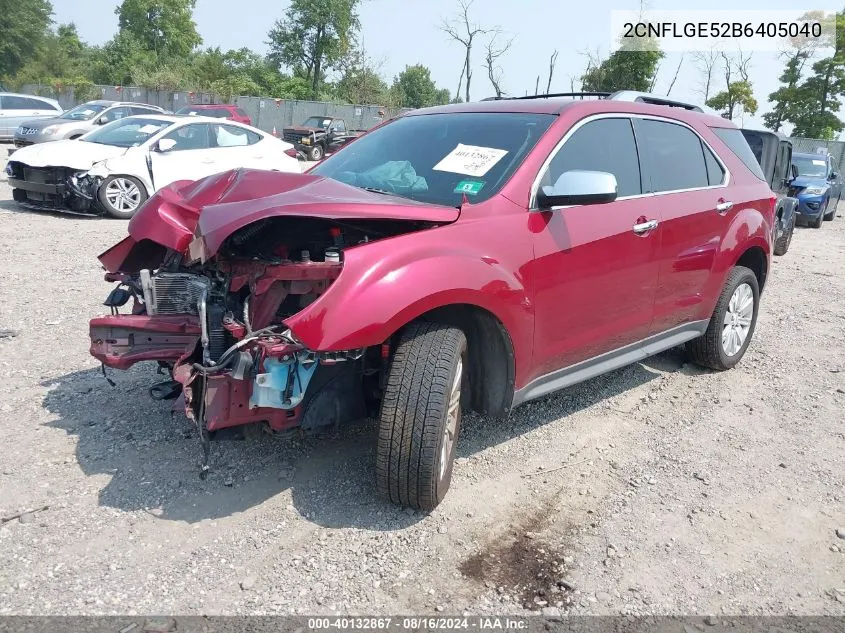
209 303
53 188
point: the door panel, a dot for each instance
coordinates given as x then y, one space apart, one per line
189 160
594 278
685 177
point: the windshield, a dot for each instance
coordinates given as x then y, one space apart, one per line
464 153
84 112
317 121
128 132
812 167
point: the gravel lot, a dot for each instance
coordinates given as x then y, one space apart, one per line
660 488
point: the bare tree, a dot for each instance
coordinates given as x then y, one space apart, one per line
675 78
705 61
494 52
552 62
537 86
463 30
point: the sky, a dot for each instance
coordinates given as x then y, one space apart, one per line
397 33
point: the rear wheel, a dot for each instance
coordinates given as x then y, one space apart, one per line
121 196
420 416
783 242
731 327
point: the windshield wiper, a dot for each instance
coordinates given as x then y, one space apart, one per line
381 191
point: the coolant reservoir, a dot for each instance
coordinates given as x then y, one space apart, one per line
332 256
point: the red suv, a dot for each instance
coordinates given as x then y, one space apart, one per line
217 110
475 255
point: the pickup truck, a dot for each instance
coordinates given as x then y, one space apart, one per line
774 153
319 135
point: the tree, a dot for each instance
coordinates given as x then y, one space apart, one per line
623 70
494 72
23 28
552 63
116 62
738 95
786 98
164 27
414 88
816 99
314 37
360 81
706 62
464 31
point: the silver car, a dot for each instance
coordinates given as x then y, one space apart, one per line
79 120
17 108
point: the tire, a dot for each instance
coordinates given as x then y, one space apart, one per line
315 153
709 350
817 223
417 434
783 242
121 208
831 213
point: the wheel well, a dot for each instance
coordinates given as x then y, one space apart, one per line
755 259
491 359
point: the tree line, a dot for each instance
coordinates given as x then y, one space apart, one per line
315 52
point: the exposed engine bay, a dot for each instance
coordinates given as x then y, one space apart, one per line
218 328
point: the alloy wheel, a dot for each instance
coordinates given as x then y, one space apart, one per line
737 322
123 195
453 414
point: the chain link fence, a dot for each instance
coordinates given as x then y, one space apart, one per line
266 113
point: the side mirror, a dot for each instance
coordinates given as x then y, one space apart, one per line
578 187
101 120
794 171
834 175
165 145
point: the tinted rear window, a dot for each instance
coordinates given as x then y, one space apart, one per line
734 139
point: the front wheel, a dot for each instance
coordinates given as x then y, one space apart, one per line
420 416
731 327
830 209
316 153
121 196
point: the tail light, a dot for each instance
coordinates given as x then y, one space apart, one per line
291 152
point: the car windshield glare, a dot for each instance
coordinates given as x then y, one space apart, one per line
812 167
128 132
464 153
84 112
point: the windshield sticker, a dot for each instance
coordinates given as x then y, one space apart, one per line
148 129
326 121
470 187
819 162
470 160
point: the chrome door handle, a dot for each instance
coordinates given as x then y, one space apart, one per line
724 207
645 227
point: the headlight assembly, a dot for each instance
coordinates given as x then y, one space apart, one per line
815 191
50 129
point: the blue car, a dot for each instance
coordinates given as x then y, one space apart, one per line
817 188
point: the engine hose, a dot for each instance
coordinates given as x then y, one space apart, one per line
228 355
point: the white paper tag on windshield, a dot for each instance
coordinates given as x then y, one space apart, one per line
818 162
148 129
470 160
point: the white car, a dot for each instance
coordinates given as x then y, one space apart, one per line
115 168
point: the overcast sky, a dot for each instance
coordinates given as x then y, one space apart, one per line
408 35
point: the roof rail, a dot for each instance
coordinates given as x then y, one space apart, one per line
645 97
574 95
619 95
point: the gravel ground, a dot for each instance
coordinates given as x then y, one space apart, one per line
660 488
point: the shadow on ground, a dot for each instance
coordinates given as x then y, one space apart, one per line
152 455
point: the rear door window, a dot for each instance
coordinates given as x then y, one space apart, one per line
736 142
232 136
14 102
606 145
672 156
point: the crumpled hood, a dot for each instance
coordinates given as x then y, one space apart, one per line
215 207
809 181
74 154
